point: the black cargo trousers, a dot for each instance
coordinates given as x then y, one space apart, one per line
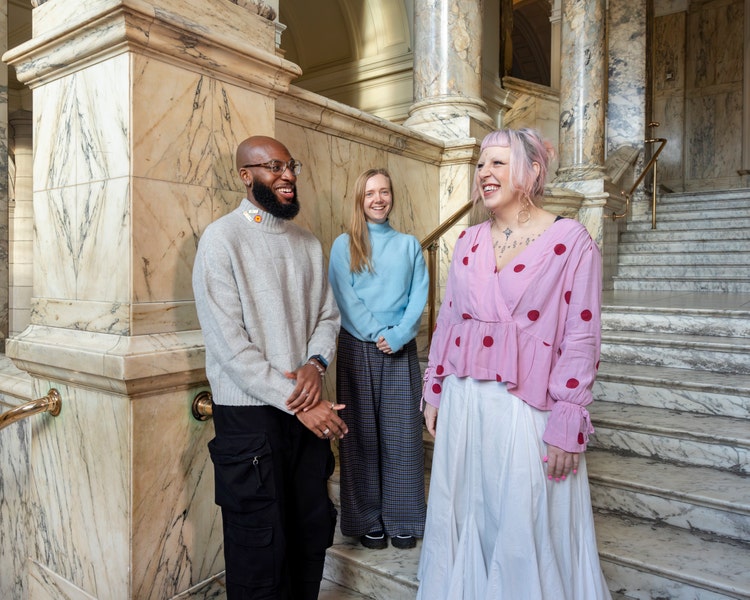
271 475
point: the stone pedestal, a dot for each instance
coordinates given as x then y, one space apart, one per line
138 108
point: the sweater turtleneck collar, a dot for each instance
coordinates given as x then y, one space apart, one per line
261 219
379 228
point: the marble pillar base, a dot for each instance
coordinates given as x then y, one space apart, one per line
451 118
111 363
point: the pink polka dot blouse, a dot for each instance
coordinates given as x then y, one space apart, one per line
535 325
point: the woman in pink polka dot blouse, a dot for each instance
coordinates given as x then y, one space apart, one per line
512 363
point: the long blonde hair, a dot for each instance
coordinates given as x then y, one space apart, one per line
360 250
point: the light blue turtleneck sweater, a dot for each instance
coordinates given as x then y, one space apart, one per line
388 301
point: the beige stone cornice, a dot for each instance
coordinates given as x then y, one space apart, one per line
214 37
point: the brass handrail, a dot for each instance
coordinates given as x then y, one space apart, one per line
51 403
202 407
654 160
430 243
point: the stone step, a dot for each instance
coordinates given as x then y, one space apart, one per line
679 257
690 247
695 321
713 223
696 202
332 591
737 233
703 197
697 216
685 390
672 436
688 304
704 201
693 498
685 284
719 354
683 271
377 574
388 574
669 206
649 560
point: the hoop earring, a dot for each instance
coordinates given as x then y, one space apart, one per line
524 214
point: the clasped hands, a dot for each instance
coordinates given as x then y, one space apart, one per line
307 404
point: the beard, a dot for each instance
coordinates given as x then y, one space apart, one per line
265 196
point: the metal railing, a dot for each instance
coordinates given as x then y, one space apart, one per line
431 244
51 403
651 163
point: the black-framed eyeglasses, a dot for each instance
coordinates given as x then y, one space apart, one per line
277 167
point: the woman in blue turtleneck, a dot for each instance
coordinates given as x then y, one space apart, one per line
380 282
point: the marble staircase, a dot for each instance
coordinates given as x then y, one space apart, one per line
701 243
669 464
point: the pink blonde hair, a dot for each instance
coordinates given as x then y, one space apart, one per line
526 148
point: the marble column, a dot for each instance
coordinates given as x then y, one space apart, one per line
627 100
448 70
582 90
626 97
583 81
448 105
138 109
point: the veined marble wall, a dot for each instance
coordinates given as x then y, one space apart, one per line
15 450
115 495
698 92
714 94
669 94
534 105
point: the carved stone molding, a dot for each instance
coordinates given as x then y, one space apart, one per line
257 6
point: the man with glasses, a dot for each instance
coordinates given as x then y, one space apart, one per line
270 323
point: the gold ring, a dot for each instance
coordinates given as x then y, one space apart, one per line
333 406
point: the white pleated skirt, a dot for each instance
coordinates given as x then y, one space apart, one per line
497 528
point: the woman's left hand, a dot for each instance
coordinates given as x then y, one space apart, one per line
560 463
430 418
383 345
